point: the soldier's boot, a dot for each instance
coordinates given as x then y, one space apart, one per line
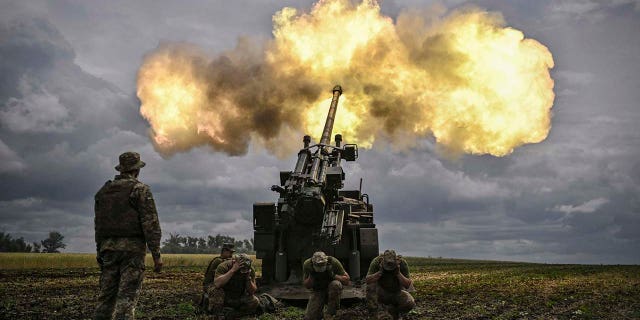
315 306
406 303
334 292
249 305
268 304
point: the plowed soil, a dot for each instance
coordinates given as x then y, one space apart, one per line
445 289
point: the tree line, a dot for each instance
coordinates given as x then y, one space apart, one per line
52 244
211 244
175 244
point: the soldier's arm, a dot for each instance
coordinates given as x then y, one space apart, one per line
403 274
98 240
224 274
307 280
98 243
375 271
340 274
149 219
252 287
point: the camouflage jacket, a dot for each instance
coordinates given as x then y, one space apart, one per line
142 200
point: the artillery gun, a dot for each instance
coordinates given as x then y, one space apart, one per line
313 213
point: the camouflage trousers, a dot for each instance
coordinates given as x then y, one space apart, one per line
393 303
317 300
214 301
120 283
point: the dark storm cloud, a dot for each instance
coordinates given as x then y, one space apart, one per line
61 132
572 198
129 29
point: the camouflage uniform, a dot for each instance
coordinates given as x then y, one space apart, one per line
209 274
387 293
234 293
325 288
126 224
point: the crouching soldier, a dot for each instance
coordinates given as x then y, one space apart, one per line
234 288
325 276
387 284
225 254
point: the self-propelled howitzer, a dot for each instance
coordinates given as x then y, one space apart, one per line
313 213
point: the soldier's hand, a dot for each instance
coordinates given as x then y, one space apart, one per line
157 264
235 266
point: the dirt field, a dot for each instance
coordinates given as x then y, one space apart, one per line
446 289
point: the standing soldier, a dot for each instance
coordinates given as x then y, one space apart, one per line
325 276
126 224
207 285
235 287
387 282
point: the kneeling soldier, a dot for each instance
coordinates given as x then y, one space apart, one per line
234 287
325 276
387 282
225 254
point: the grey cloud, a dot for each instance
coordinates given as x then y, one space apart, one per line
69 155
9 160
589 206
127 30
592 10
35 111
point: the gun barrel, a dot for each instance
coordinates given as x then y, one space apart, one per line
328 125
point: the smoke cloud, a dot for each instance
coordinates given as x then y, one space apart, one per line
477 86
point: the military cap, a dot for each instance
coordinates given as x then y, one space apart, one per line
228 246
130 161
244 261
389 260
319 258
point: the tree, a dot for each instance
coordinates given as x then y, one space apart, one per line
173 244
202 244
8 244
238 245
248 245
210 244
53 243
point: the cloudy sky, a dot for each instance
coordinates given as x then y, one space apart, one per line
68 109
